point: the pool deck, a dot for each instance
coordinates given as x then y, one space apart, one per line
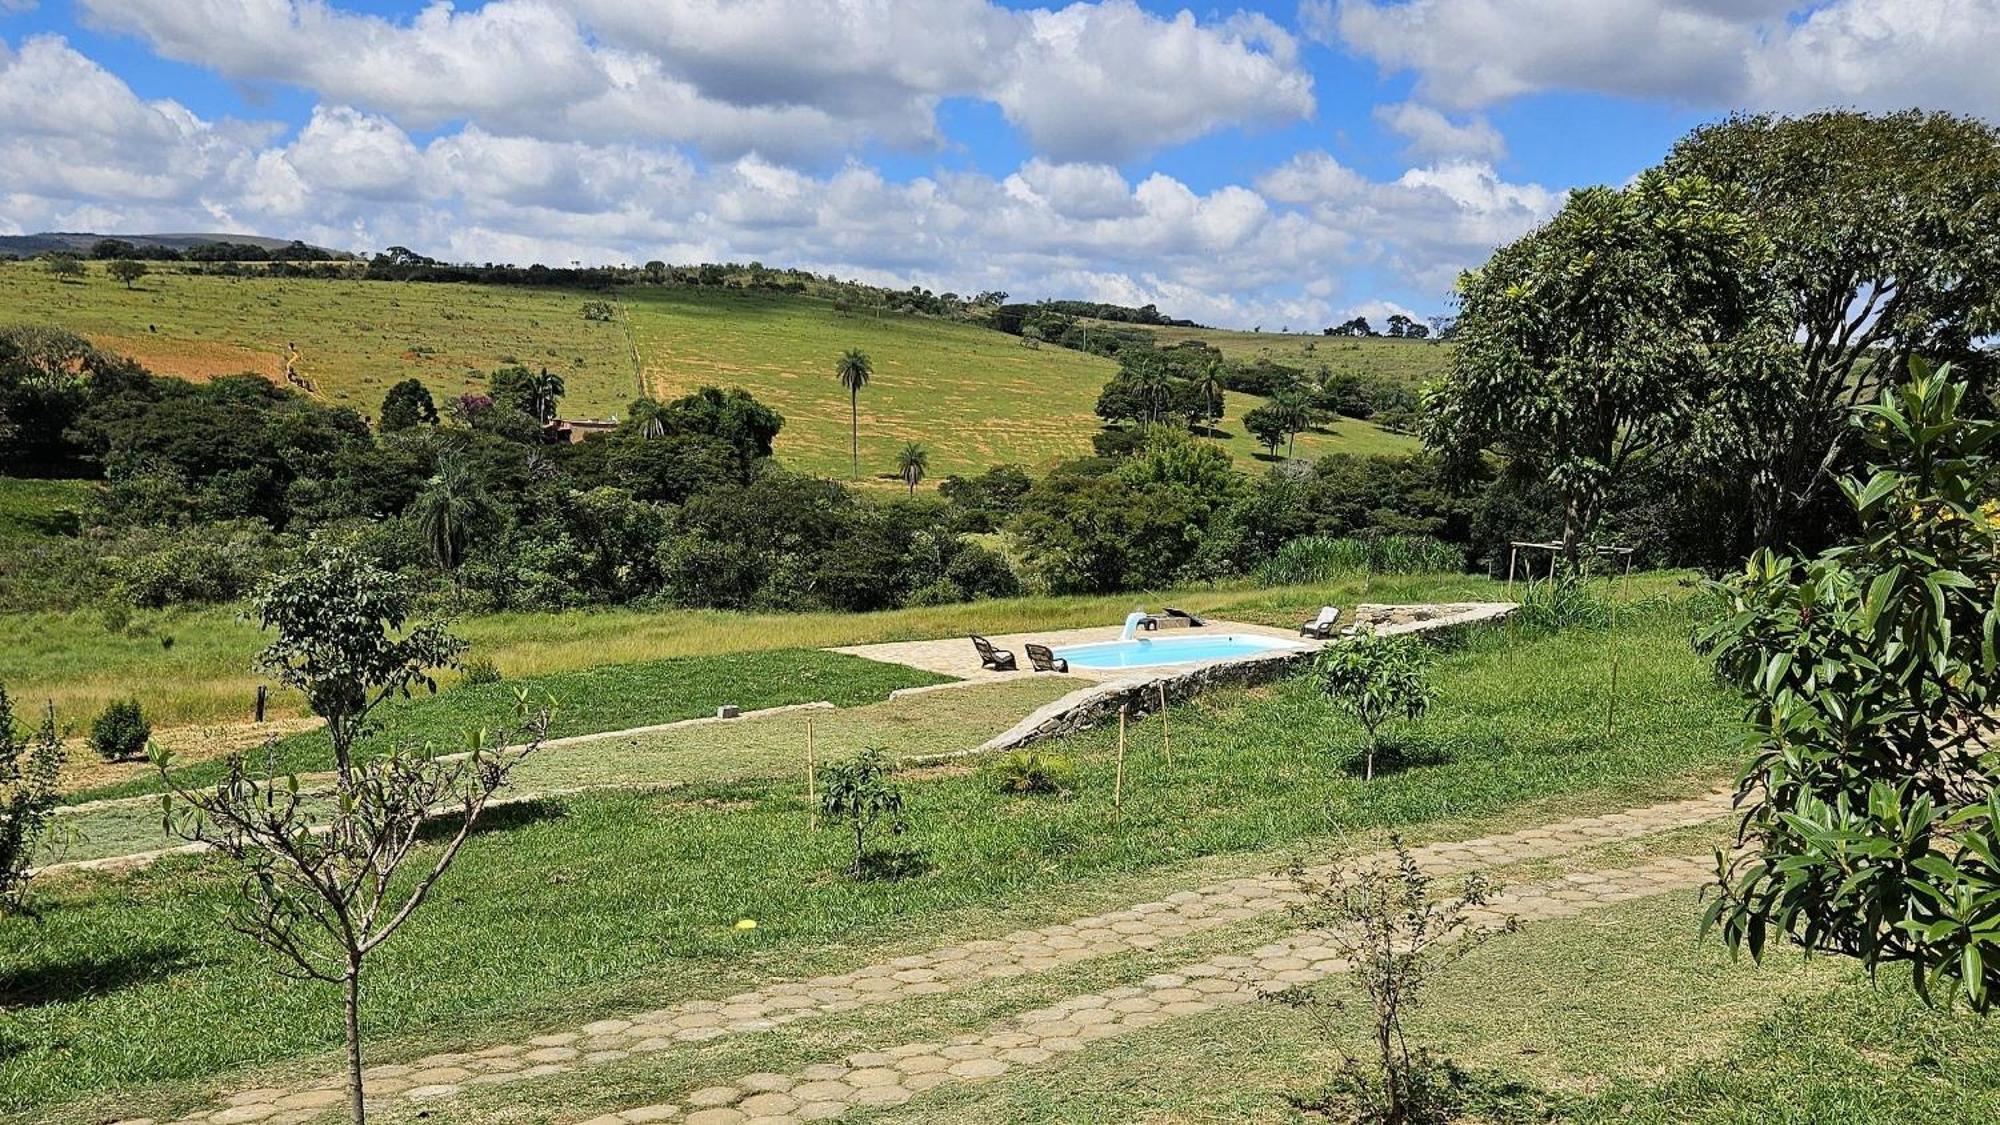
955 656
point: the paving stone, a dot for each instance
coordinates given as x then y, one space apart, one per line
978 1068
716 1117
768 1104
711 1096
646 1115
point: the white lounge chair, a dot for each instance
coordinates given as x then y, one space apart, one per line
1321 628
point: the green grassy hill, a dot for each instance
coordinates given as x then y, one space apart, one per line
973 397
1409 361
34 509
355 338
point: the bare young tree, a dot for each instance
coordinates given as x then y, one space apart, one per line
1396 935
29 764
324 880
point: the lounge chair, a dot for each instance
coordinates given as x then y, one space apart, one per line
1321 628
1193 622
993 659
1042 660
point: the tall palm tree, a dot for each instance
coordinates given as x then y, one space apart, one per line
911 463
452 506
1209 384
854 370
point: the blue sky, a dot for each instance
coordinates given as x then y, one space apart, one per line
1278 163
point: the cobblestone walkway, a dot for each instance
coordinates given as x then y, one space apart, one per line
895 1075
1138 927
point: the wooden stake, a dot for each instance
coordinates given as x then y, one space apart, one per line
1118 783
812 797
1166 736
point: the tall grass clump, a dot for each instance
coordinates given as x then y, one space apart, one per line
1319 558
1563 602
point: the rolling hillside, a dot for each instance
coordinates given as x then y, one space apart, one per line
972 396
1410 361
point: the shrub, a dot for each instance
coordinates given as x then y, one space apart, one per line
599 310
1026 772
1871 809
1563 602
479 670
1387 923
1376 679
858 791
120 731
29 765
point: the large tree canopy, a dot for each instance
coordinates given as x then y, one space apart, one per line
1594 341
1885 237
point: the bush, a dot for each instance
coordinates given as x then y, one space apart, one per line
1563 602
479 670
120 731
1028 772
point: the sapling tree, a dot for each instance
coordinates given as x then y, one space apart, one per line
858 791
1388 923
1871 810
1376 679
328 877
29 765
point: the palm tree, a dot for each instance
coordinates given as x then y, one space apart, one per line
854 370
452 506
1209 384
910 465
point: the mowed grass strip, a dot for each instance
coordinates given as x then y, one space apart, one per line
129 981
205 676
762 746
587 700
355 338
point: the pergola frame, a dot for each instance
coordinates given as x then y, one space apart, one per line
1555 551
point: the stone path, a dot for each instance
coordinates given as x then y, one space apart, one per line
1138 927
898 1074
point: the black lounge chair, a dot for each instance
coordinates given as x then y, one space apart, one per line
1321 628
993 659
1042 660
1193 622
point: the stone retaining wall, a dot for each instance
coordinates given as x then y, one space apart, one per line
1088 706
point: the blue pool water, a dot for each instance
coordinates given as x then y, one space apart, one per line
1148 652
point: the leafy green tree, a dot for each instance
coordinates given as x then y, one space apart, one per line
1590 345
1883 252
536 394
453 507
127 271
407 406
1871 813
911 463
858 791
63 267
324 880
1268 424
29 766
854 371
1376 679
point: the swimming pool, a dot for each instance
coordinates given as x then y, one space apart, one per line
1149 652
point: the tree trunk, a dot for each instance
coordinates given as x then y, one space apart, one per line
357 1107
1572 531
857 849
854 428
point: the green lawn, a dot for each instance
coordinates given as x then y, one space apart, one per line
771 746
355 338
205 676
34 509
612 900
589 700
1408 361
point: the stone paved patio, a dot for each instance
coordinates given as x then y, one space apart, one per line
1140 926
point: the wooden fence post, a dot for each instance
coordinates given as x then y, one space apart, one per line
1118 782
1166 736
812 771
261 690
